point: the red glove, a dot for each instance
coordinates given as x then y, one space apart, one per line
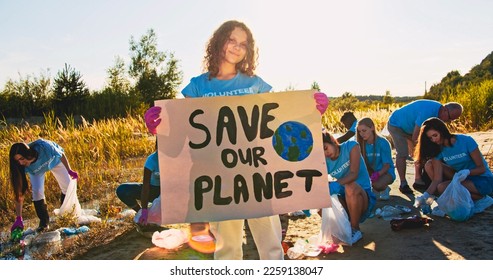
17 224
152 119
143 217
374 177
73 174
322 101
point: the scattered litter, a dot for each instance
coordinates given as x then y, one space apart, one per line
47 237
72 230
389 212
403 208
310 247
410 222
170 238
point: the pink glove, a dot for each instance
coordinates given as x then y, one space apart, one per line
143 217
152 119
322 101
17 224
374 177
73 174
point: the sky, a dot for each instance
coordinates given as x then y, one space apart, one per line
363 47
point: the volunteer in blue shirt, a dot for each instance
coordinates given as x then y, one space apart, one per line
353 187
148 190
444 154
230 63
404 125
37 158
377 153
349 121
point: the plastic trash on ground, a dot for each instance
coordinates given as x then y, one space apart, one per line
47 237
388 212
71 204
153 214
170 238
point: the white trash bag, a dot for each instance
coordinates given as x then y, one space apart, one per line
456 201
336 227
153 213
71 203
169 238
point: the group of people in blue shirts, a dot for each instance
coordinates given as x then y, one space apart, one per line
362 169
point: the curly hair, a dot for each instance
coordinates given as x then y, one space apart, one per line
426 149
215 50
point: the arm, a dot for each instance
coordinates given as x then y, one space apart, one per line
437 175
144 196
415 135
478 160
18 205
384 169
72 173
146 186
354 162
345 137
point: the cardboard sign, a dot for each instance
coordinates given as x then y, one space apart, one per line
234 157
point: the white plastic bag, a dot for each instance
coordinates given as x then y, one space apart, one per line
71 203
456 201
336 227
153 214
170 238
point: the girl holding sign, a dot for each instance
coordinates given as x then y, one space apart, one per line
229 65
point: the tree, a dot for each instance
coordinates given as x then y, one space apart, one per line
156 73
388 99
347 102
30 96
315 86
117 79
70 92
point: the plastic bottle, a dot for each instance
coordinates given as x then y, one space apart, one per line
426 209
16 234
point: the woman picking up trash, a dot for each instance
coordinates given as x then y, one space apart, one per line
37 158
353 187
443 154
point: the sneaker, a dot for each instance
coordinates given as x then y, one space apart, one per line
356 235
385 195
405 189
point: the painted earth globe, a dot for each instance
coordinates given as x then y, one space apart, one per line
293 141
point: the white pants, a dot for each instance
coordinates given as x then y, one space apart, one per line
266 232
38 181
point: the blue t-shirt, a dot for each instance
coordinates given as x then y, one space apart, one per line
49 156
340 167
414 114
458 156
379 154
241 84
152 163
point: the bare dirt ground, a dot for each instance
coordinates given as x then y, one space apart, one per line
443 239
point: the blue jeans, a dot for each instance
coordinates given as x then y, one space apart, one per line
129 193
